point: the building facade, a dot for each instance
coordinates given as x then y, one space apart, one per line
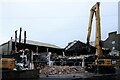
112 42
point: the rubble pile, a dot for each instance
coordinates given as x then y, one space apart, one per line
61 70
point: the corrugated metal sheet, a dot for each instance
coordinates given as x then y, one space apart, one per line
38 43
42 44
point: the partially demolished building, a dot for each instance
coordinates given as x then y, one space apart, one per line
77 53
39 50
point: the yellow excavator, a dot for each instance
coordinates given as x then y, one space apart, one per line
102 61
7 63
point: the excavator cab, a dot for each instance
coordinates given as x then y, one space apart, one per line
7 63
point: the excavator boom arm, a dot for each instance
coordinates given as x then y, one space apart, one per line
95 10
90 25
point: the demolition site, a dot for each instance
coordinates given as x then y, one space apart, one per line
29 59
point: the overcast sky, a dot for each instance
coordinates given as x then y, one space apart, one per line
56 22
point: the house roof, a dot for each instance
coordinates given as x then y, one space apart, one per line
72 44
79 47
41 44
37 43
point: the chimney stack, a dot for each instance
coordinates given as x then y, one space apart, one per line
24 38
15 41
20 35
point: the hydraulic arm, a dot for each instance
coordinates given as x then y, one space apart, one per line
95 11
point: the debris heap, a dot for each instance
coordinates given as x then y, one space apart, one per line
47 70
